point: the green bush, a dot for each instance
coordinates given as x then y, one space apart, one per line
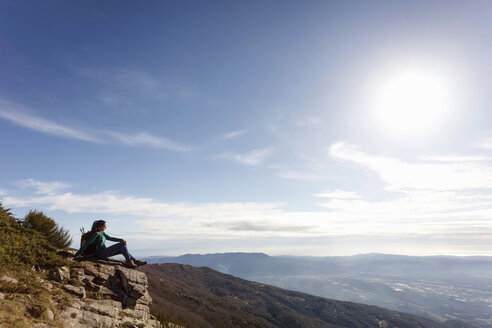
21 247
57 236
5 211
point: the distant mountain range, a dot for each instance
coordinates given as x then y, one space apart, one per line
440 288
202 297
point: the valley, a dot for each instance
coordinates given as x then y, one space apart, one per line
437 287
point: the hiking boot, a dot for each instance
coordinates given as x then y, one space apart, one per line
140 263
130 264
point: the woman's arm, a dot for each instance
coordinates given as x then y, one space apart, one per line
112 238
87 243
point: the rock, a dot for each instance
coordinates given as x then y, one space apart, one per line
46 285
77 272
64 273
119 297
90 269
79 291
2 296
95 320
49 314
383 324
101 278
9 279
134 282
67 253
104 307
70 316
141 311
133 275
130 323
42 325
107 269
146 299
60 274
75 318
89 285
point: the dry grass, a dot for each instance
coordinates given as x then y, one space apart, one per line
24 254
20 310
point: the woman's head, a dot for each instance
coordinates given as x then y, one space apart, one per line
98 225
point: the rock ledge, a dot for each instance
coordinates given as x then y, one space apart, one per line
107 295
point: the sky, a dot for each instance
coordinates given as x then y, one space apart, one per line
286 127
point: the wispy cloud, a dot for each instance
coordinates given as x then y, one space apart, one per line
253 158
252 226
415 213
121 85
456 159
20 116
485 143
303 167
436 195
121 78
145 139
232 134
46 188
438 214
219 139
440 175
155 216
293 174
339 194
204 220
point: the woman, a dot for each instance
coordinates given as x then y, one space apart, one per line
104 252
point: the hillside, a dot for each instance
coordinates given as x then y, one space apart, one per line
202 297
42 287
440 288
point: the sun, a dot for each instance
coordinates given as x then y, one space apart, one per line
411 102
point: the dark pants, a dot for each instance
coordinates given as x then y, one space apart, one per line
119 248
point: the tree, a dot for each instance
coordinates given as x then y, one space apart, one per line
56 235
5 211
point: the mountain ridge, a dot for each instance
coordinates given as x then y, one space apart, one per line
203 297
440 288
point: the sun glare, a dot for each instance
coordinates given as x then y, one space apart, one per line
412 102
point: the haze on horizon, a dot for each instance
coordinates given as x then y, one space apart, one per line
284 127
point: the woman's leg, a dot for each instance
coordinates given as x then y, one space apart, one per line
119 248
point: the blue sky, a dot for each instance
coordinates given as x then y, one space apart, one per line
286 127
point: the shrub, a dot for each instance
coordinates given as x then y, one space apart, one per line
57 236
5 211
21 247
169 321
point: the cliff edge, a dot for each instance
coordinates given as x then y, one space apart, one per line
92 293
106 295
41 286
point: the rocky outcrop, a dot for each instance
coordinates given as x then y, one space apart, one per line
106 295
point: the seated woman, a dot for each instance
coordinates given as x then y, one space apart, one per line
98 236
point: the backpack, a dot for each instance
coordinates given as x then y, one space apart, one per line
91 249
